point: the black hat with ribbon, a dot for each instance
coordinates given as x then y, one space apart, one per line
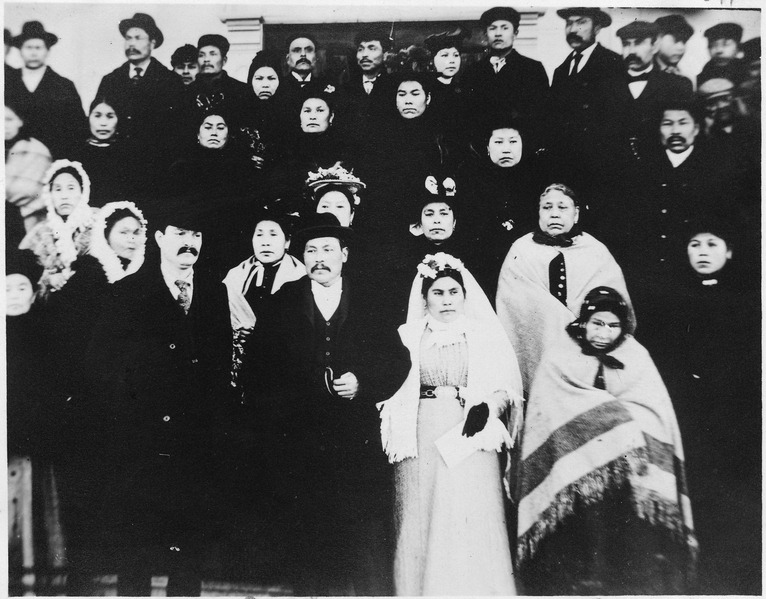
145 22
34 30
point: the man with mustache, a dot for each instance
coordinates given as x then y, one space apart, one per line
52 104
302 79
213 88
505 82
574 90
369 86
321 360
160 360
149 99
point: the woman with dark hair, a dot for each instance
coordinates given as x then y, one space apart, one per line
105 158
26 161
603 506
546 275
443 432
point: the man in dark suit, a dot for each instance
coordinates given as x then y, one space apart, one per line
160 360
325 358
574 100
505 82
631 104
53 106
213 89
302 78
147 96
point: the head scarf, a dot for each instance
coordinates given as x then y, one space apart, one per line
101 250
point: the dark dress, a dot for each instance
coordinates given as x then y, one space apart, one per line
109 169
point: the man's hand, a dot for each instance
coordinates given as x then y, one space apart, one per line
346 385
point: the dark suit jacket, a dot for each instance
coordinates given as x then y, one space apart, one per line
158 385
225 93
574 98
150 111
519 89
313 435
54 111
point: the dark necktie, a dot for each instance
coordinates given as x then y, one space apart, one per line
137 76
575 63
183 297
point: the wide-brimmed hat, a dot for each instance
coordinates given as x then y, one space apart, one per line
34 30
145 22
600 18
316 225
334 175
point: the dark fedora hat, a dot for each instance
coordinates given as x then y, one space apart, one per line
34 30
600 18
145 22
500 13
316 225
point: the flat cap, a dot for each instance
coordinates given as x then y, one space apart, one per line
729 31
676 26
186 53
600 18
213 39
712 88
500 13
638 30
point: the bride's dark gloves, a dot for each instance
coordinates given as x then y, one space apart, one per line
476 419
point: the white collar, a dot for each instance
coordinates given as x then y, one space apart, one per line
300 79
678 159
585 55
171 275
335 289
32 77
143 65
327 299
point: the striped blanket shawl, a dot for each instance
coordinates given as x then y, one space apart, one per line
583 441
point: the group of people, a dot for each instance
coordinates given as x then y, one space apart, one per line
452 330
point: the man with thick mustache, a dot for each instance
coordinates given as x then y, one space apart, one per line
160 357
323 358
302 79
574 95
505 82
148 97
214 89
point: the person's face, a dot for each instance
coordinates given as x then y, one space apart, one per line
269 242
638 54
66 194
103 121
188 71
447 62
213 133
301 56
336 203
324 258
445 299
33 53
707 253
721 109
12 124
438 222
505 147
265 82
581 32
501 35
18 294
411 99
315 116
558 213
124 237
678 130
369 56
671 50
138 46
179 248
210 60
602 330
723 51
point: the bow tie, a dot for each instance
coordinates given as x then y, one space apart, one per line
641 77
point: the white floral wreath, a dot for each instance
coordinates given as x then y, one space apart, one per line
433 264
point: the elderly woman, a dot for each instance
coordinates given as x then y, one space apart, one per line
104 157
546 275
443 432
603 506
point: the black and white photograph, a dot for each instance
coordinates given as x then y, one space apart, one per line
383 299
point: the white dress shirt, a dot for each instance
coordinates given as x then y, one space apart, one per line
171 275
327 299
32 78
678 159
584 60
